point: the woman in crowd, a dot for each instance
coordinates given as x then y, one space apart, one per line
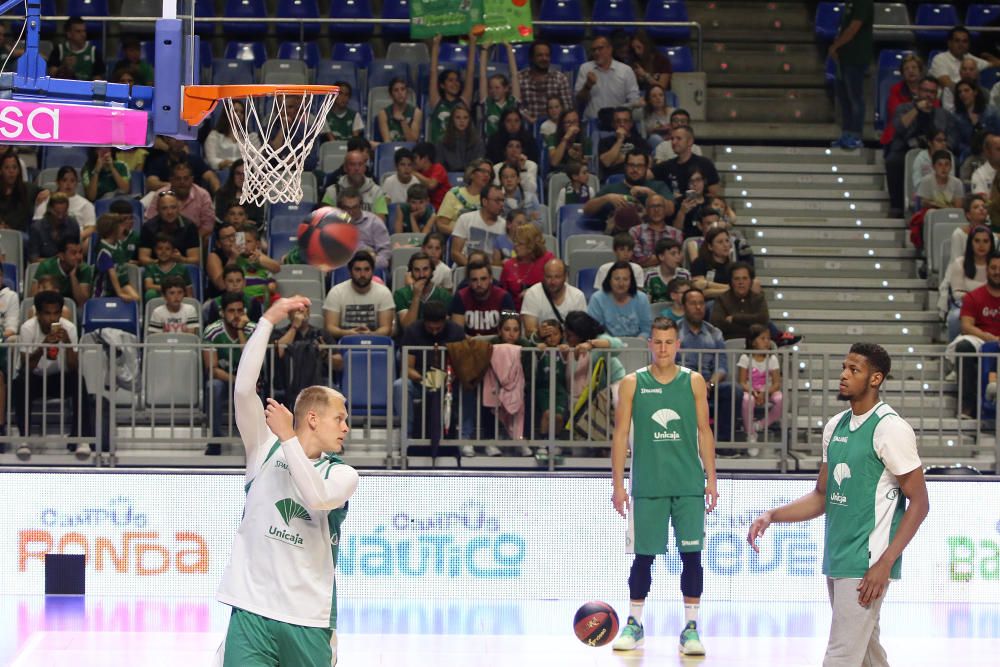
516 196
461 143
17 198
620 307
651 67
590 341
230 192
509 332
221 148
902 92
104 174
974 118
400 120
511 127
526 268
80 207
447 90
569 143
977 212
655 116
553 112
966 274
710 272
691 207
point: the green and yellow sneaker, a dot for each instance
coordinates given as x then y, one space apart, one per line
631 636
690 642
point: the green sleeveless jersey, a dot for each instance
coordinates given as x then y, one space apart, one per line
439 118
665 457
494 111
341 126
864 504
395 127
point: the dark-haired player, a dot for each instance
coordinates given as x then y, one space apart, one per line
870 469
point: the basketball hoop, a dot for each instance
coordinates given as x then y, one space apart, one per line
273 169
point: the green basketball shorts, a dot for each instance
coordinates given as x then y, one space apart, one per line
255 641
650 519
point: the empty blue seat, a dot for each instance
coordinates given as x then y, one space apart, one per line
884 81
456 178
828 16
329 72
681 58
585 281
300 210
981 15
10 276
522 54
572 221
298 9
245 9
284 224
569 56
668 10
232 72
58 156
203 9
396 9
197 283
251 52
281 244
49 28
934 14
891 59
306 51
88 8
561 10
367 374
989 77
361 54
385 157
110 312
351 9
381 72
453 53
611 10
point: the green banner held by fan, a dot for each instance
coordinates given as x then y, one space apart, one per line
505 20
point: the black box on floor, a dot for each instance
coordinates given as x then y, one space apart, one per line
65 574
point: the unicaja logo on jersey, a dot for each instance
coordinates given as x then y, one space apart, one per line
289 509
841 472
663 417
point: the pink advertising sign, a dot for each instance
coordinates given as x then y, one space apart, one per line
71 124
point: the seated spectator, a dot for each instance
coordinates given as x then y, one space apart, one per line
80 208
432 175
618 202
623 246
225 253
526 170
400 120
257 266
665 149
965 274
75 278
174 315
710 272
759 373
44 234
711 361
224 340
550 335
511 127
553 112
604 82
903 91
972 115
654 227
946 65
677 288
359 305
620 307
651 67
691 208
111 273
169 151
195 202
446 88
343 122
237 216
418 291
75 57
480 230
614 150
304 357
540 81
373 199
551 299
527 267
577 191
498 93
980 323
655 126
396 184
8 47
166 266
977 214
669 258
740 307
231 191
584 334
569 143
372 232
10 316
940 189
923 165
985 174
461 143
516 196
433 244
416 216
236 283
221 148
677 172
477 306
18 198
132 58
168 220
464 198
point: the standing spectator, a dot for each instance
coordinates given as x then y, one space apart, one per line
677 171
372 232
166 266
553 112
195 201
373 199
903 91
231 191
221 148
18 199
358 305
517 197
480 230
655 117
447 90
225 339
983 177
527 267
419 291
75 278
400 120
980 323
343 122
852 51
174 315
569 143
577 191
75 57
739 308
946 66
623 247
539 82
616 200
626 140
462 142
551 299
526 170
80 208
604 82
111 276
651 67
654 227
169 221
620 307
965 274
44 234
169 151
760 376
498 93
511 127
464 198
665 149
432 175
416 215
302 360
396 185
478 305
668 252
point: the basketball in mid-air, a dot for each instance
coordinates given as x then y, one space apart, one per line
327 239
595 623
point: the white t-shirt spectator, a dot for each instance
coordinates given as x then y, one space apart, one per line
477 234
945 64
529 176
602 272
536 304
10 310
930 190
665 151
219 148
396 191
982 179
80 209
760 371
163 320
442 276
358 309
616 86
32 334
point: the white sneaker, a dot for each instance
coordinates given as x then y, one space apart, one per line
83 452
468 451
752 436
493 450
951 377
527 451
631 636
753 452
23 453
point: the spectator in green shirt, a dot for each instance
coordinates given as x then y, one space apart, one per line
226 338
75 279
410 299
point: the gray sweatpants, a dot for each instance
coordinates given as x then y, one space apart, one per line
854 629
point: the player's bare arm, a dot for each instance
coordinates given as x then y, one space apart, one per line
808 507
619 442
706 440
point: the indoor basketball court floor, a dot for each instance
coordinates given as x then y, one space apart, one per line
36 631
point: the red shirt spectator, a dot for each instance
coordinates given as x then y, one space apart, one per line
981 305
527 267
431 174
478 306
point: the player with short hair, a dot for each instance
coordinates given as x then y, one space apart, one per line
870 468
673 477
280 577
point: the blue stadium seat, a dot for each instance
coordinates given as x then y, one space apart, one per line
585 281
232 72
456 178
989 77
10 276
329 72
891 59
561 10
385 154
572 221
245 9
307 51
203 9
668 10
57 156
49 28
934 14
110 312
522 54
281 244
453 53
251 52
367 379
361 54
285 223
298 9
300 210
88 8
611 10
197 282
568 57
828 16
884 81
681 58
396 9
351 9
981 15
382 71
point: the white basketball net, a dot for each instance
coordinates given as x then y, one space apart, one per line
273 167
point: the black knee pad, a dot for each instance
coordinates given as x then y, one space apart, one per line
640 578
692 575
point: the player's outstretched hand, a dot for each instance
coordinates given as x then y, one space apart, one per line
281 308
620 500
279 420
873 584
757 529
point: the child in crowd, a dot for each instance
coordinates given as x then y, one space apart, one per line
550 335
509 332
173 315
760 376
260 285
416 215
499 93
433 245
676 288
166 265
343 123
111 277
623 246
553 110
668 251
577 191
235 281
396 186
